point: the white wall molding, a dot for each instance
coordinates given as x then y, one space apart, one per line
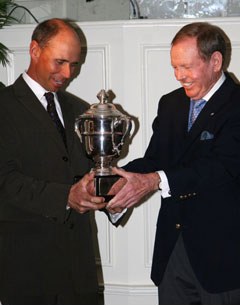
130 290
130 294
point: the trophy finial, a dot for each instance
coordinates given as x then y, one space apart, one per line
103 96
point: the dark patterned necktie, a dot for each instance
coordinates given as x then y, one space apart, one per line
51 109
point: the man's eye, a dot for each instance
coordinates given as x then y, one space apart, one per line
75 64
59 62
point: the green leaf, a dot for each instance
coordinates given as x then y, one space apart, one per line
5 12
7 7
4 54
5 19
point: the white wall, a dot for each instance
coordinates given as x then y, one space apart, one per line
132 59
81 10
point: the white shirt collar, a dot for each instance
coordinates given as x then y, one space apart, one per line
39 91
215 87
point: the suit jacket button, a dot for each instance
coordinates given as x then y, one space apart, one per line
178 226
71 226
65 158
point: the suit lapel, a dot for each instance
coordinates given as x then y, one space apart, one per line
212 107
179 121
68 118
28 99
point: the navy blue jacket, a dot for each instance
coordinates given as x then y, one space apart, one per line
203 169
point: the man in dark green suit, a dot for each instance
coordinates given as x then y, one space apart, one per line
46 251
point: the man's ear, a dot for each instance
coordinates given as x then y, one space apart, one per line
34 50
217 61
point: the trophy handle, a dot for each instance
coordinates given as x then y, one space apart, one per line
128 128
78 132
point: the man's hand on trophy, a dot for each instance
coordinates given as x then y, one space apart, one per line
115 188
136 187
81 197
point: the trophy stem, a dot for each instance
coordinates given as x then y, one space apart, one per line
103 165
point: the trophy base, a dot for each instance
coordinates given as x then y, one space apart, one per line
103 185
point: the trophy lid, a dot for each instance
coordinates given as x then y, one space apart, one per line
102 109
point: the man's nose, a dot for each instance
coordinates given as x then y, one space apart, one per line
66 71
179 75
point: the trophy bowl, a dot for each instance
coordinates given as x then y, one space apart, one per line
102 129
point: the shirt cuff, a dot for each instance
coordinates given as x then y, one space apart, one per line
116 216
163 185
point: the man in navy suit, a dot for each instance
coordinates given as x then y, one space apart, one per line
194 159
46 250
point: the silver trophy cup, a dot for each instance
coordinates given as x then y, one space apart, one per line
103 129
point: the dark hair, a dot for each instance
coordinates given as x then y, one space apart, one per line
50 28
210 38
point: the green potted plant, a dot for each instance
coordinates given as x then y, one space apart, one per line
6 18
7 7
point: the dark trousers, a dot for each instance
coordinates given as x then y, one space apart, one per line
61 299
180 285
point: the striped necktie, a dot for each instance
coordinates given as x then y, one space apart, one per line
51 109
196 107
